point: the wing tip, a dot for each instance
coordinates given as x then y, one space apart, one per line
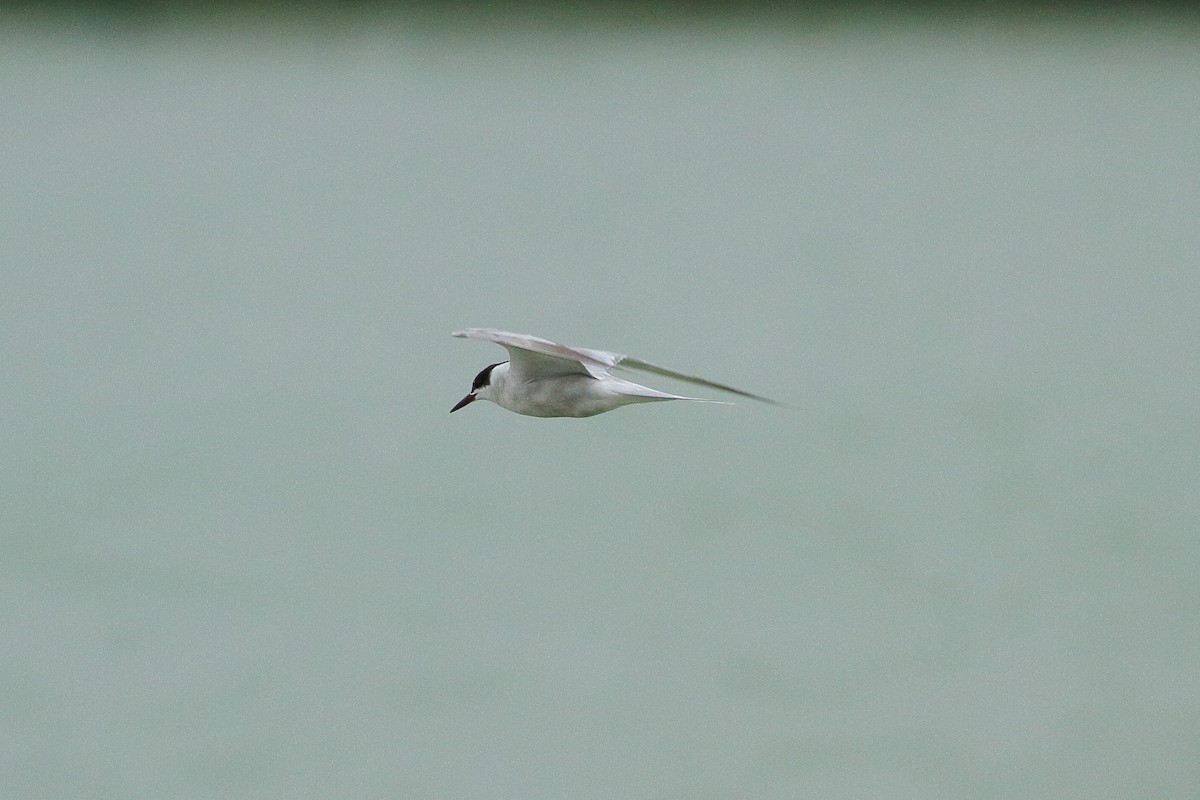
481 333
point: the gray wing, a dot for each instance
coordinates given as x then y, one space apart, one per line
540 358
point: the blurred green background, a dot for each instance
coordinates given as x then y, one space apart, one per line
247 552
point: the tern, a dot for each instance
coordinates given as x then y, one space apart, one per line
544 379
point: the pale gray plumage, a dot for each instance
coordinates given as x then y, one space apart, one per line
545 379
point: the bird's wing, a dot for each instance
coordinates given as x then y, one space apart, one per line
644 366
534 357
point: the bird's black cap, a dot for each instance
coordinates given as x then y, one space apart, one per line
484 377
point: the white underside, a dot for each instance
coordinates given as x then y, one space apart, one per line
570 395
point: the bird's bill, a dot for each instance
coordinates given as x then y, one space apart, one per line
466 401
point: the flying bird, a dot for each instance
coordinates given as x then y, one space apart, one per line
544 379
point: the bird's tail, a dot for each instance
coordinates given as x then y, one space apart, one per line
644 394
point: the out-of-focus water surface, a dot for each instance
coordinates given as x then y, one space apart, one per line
247 552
